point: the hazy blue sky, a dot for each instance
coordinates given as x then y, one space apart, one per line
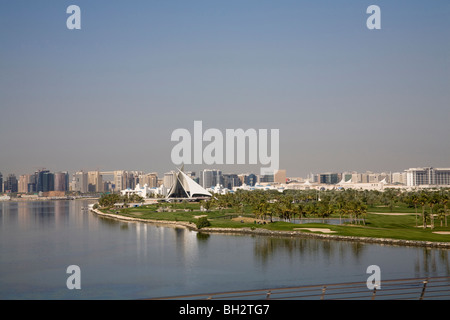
108 96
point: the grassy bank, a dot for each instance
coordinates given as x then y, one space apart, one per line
375 225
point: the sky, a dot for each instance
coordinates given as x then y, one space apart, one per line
109 96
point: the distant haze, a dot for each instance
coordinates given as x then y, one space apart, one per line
109 96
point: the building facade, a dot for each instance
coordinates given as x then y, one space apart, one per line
210 178
280 176
11 184
149 179
329 178
95 181
80 182
61 181
427 176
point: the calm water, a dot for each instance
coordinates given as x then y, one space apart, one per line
120 260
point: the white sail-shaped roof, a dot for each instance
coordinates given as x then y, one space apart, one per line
193 187
185 187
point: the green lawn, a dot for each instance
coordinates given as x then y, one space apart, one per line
397 208
376 225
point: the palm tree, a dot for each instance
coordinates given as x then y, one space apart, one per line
340 207
325 209
414 199
272 208
310 209
300 210
261 209
433 199
441 212
423 200
350 208
361 210
445 203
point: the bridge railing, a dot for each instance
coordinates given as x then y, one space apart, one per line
431 288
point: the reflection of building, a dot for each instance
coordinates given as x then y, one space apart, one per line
427 176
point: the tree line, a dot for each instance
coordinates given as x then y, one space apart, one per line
349 203
109 200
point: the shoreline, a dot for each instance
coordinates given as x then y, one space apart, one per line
290 234
37 199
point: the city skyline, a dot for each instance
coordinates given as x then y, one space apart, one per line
48 180
108 96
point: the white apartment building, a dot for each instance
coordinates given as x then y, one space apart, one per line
428 176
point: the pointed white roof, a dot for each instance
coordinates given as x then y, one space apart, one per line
193 187
190 188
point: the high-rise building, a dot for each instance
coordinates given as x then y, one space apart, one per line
347 176
328 178
427 176
169 179
45 181
280 176
266 178
95 181
1 182
25 181
11 184
249 179
149 179
120 180
398 178
131 179
62 181
231 180
80 182
210 178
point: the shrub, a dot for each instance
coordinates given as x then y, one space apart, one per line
202 222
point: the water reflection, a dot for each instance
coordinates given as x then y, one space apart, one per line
428 262
202 237
267 247
39 239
